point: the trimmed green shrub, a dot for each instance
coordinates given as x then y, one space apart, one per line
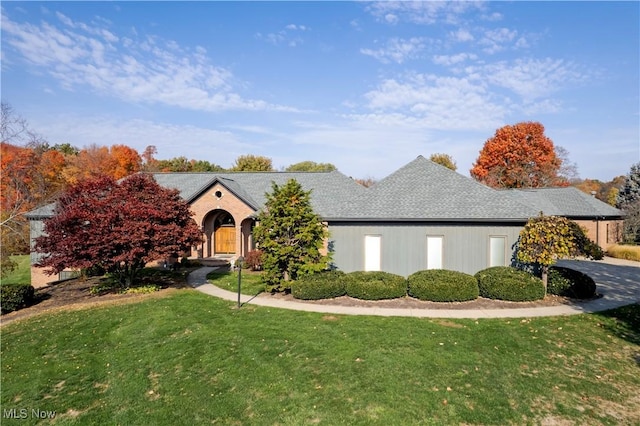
440 285
570 283
376 285
321 285
15 296
506 283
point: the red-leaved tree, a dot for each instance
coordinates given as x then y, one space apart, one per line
118 226
519 156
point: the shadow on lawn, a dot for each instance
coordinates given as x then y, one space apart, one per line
626 325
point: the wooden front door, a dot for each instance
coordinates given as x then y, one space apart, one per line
225 240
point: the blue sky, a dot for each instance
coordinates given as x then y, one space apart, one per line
367 86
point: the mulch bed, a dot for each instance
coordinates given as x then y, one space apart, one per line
76 294
412 303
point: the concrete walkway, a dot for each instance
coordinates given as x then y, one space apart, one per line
617 280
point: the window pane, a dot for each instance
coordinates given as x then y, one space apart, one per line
372 245
497 251
434 252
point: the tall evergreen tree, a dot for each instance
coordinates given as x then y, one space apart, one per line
630 190
290 235
629 201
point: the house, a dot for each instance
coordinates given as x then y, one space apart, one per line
423 216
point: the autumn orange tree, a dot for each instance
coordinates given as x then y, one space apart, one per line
92 161
519 156
29 175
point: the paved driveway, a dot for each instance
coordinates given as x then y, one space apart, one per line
617 280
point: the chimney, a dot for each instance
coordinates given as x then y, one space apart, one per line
593 194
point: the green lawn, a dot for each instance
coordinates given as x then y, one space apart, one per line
22 273
251 282
191 359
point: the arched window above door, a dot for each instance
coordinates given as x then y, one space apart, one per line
224 219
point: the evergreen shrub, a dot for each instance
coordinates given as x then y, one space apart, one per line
375 285
507 283
15 296
321 285
570 283
441 285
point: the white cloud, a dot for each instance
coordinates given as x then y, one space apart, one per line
289 35
478 96
532 78
91 29
295 27
462 35
149 71
434 102
496 40
397 50
422 12
495 16
448 60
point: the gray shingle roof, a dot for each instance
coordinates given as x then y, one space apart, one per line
41 212
332 193
425 190
420 191
569 201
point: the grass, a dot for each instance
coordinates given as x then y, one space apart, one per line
22 273
625 252
251 282
188 358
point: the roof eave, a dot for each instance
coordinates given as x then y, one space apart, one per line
416 220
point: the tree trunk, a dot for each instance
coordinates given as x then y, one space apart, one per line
545 274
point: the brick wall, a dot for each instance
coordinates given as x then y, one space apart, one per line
220 198
39 278
604 232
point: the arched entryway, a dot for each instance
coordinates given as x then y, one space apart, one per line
220 233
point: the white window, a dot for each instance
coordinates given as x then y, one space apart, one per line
434 252
372 246
497 251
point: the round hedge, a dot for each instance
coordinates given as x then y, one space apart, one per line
322 285
440 285
375 285
15 296
506 283
570 283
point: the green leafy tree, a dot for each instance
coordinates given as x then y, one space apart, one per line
204 166
444 160
252 163
310 166
290 235
544 239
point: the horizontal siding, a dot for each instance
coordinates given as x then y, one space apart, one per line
36 229
404 246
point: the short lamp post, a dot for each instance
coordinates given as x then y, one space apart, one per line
239 262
